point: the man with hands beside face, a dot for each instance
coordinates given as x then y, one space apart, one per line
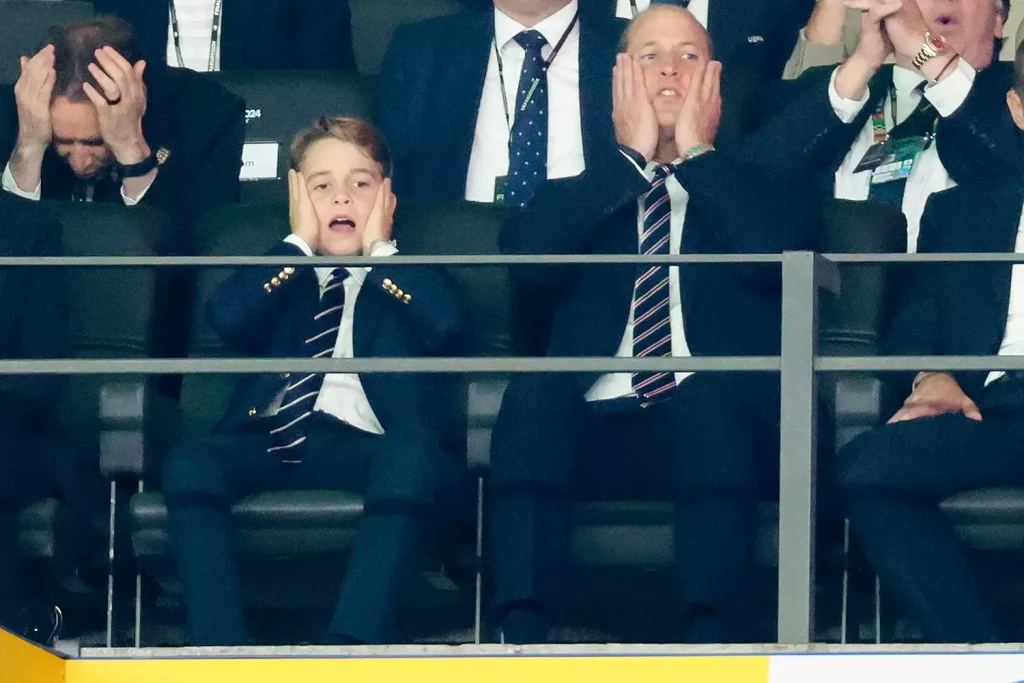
694 439
896 133
378 434
89 121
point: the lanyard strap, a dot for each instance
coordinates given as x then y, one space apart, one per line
536 80
214 35
878 121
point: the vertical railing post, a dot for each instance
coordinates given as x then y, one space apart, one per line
802 274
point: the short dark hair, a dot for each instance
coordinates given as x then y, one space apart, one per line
1004 10
75 45
347 129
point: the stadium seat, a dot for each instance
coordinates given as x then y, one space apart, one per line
621 547
23 23
990 521
276 529
373 22
111 316
278 104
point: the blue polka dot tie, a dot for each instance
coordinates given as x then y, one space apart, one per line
528 150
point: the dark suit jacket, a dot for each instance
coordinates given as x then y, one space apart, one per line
755 35
255 34
273 324
798 132
956 308
33 314
728 310
200 123
431 83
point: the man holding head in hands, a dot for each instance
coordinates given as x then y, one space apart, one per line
88 120
698 440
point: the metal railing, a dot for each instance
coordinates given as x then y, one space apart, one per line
804 276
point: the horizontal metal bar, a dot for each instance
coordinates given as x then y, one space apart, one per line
192 366
397 260
910 363
1001 257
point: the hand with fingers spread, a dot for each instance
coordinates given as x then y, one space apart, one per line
636 125
702 109
32 93
936 393
906 29
120 104
382 216
301 213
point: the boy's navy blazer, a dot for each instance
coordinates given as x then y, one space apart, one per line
256 317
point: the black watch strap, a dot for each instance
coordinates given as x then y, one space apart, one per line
143 167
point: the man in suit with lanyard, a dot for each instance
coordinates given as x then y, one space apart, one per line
753 35
699 440
958 431
486 105
228 35
898 133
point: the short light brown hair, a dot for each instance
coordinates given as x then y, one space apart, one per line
347 129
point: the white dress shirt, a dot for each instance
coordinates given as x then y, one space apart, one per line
10 185
929 175
1013 336
342 394
489 157
620 385
195 26
698 8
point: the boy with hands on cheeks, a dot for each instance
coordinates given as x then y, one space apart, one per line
378 434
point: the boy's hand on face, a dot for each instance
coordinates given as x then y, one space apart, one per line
381 218
302 215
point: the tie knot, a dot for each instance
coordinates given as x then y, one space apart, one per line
662 171
339 274
531 41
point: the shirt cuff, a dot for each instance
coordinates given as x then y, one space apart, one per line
383 249
949 94
10 185
846 110
297 241
128 201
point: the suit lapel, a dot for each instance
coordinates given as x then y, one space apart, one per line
1006 214
597 56
459 93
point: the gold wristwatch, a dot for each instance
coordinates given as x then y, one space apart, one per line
932 47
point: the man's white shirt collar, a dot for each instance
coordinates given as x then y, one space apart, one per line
553 28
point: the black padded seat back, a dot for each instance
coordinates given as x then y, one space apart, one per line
373 22
278 104
853 322
23 25
465 228
112 312
231 230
